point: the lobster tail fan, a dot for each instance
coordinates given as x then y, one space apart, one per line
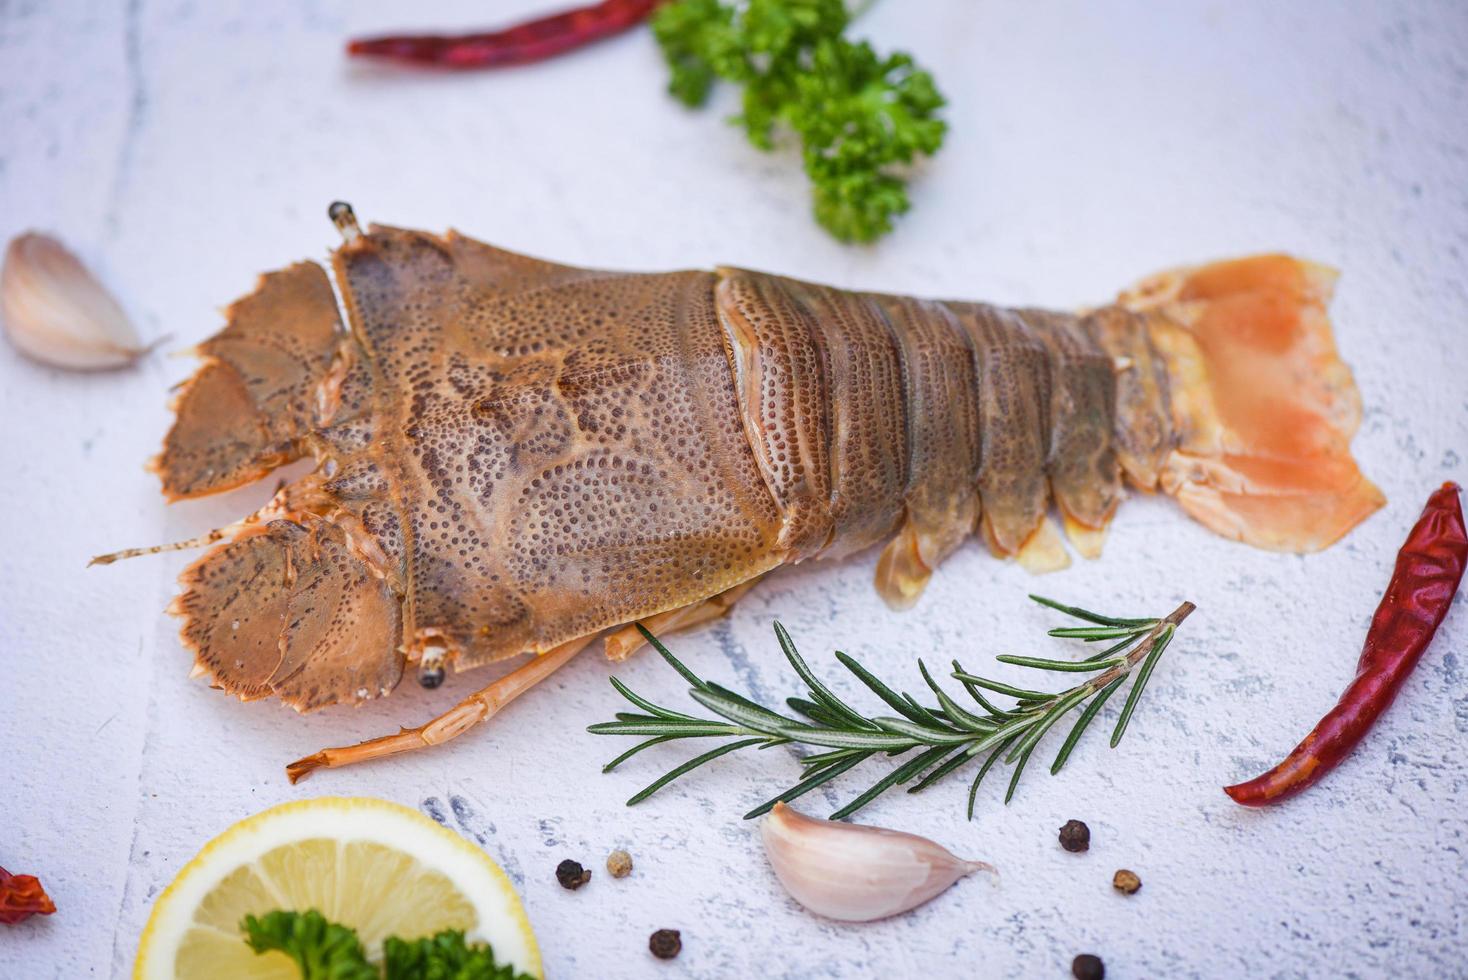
243 412
1263 408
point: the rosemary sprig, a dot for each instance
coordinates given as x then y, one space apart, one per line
945 736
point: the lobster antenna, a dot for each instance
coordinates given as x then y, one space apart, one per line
203 540
345 219
218 534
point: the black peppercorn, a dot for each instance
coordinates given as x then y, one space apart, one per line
571 874
1087 966
665 943
1075 836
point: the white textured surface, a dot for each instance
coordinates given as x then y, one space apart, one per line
184 147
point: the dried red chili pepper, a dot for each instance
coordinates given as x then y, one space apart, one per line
534 40
1429 568
21 896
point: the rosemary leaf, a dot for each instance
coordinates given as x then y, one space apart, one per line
956 712
836 709
998 688
973 789
723 691
817 760
977 694
667 655
1145 674
1037 731
806 785
689 766
918 733
1072 666
655 740
1093 633
815 712
1015 727
882 690
1089 616
953 763
674 728
928 714
739 711
821 693
1083 721
1019 768
896 777
645 704
845 740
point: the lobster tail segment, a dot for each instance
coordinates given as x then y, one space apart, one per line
1262 407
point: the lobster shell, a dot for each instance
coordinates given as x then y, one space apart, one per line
514 454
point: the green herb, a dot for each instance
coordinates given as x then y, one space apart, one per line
861 118
945 736
326 951
323 950
444 956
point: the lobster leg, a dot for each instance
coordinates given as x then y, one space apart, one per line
1043 551
478 707
485 704
626 641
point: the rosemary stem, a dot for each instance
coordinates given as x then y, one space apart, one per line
943 738
1170 621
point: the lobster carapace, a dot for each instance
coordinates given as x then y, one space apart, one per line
515 456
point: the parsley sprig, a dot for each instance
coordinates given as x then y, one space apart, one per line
862 118
944 737
324 950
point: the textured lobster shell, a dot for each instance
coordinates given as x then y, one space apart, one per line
514 454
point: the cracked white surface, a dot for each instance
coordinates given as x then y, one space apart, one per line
182 148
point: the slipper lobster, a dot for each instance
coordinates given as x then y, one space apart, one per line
515 456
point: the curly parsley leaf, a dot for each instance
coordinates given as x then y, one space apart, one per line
445 956
862 118
324 950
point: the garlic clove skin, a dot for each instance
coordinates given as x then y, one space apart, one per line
56 311
855 873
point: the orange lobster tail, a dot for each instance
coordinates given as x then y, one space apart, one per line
1263 407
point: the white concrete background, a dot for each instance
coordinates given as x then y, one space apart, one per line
184 147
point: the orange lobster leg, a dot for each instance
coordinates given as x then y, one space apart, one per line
478 707
626 641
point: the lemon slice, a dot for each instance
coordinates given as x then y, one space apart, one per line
381 868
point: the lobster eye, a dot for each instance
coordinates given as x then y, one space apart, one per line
345 219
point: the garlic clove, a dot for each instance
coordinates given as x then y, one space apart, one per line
56 311
855 873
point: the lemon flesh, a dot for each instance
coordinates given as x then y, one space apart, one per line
378 867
